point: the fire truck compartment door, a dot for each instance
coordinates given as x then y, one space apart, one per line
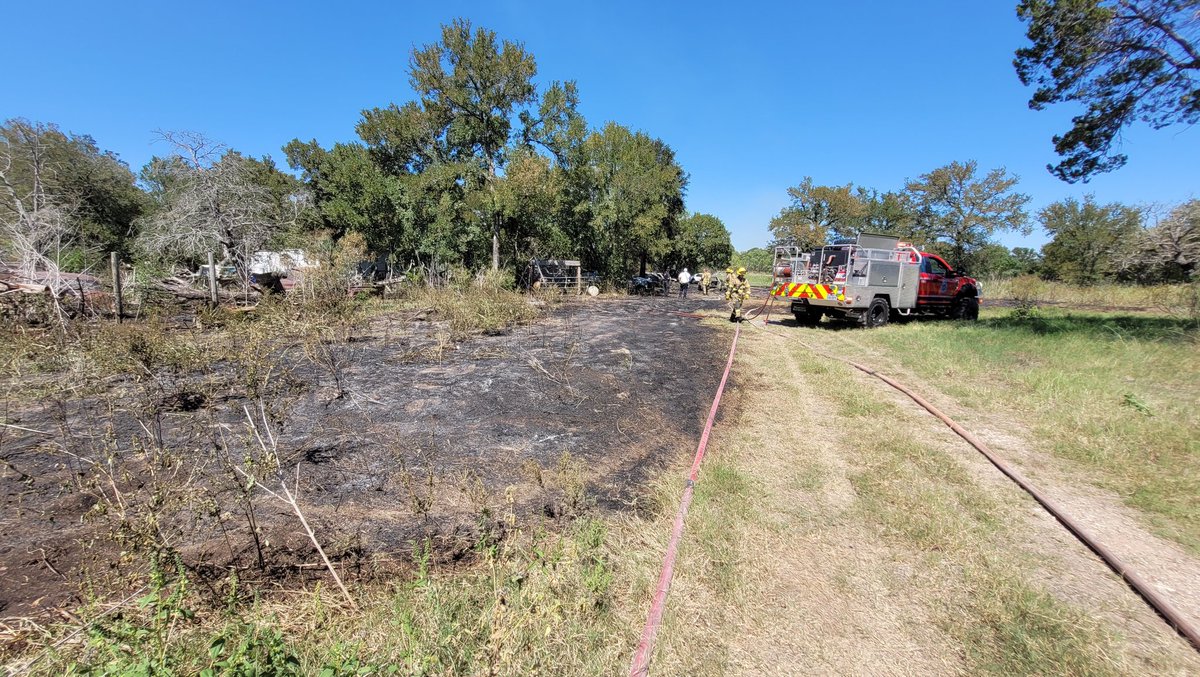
910 282
884 274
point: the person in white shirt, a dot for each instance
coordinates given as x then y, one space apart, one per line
685 279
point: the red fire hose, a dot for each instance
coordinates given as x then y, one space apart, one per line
641 660
1135 581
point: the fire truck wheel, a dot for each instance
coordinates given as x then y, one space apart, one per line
808 318
876 314
965 308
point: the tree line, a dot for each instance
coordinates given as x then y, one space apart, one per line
483 168
956 211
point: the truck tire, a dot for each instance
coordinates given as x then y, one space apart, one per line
808 318
876 314
965 308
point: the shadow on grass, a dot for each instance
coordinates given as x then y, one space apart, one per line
1099 325
1107 325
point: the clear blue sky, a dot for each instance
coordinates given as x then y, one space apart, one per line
752 96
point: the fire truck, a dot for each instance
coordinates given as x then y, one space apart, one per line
871 280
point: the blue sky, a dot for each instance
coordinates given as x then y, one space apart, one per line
752 96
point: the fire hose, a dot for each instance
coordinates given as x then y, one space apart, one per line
640 665
1140 585
641 659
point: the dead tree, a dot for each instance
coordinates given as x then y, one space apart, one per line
213 205
36 226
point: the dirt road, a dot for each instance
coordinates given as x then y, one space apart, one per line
880 543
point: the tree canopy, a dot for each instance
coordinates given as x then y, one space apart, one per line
1087 238
1123 60
956 207
48 175
817 213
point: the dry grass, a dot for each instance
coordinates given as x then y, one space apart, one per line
1113 394
862 546
1174 298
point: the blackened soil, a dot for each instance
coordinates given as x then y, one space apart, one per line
399 443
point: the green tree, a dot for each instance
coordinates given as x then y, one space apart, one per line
470 87
529 198
701 241
353 193
1029 261
955 207
94 192
887 213
757 259
994 260
817 213
626 197
1123 60
1087 238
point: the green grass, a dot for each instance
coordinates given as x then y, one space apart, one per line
1115 394
540 604
1179 298
925 501
759 279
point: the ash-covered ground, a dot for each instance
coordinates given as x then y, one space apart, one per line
399 442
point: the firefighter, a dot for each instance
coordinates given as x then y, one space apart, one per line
736 293
705 278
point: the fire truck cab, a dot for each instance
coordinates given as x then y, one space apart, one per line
871 280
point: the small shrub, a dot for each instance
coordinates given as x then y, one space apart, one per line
1026 292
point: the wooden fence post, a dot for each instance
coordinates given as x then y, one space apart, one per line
212 281
114 263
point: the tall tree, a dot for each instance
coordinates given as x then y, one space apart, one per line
529 197
887 213
964 211
626 195
817 213
470 86
701 241
1124 60
1087 238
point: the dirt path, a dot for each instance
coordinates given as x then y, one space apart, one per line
1173 571
865 547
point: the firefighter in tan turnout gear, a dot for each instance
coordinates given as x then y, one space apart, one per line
737 291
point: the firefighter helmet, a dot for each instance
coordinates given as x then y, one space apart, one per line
741 271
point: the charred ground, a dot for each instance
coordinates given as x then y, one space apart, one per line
403 444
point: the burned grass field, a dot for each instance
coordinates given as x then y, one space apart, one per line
402 439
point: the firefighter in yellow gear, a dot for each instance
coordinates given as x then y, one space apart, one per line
736 293
705 280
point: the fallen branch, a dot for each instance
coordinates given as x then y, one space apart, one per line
269 447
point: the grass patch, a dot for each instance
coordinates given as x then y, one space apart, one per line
923 501
539 604
1176 297
1115 394
762 280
